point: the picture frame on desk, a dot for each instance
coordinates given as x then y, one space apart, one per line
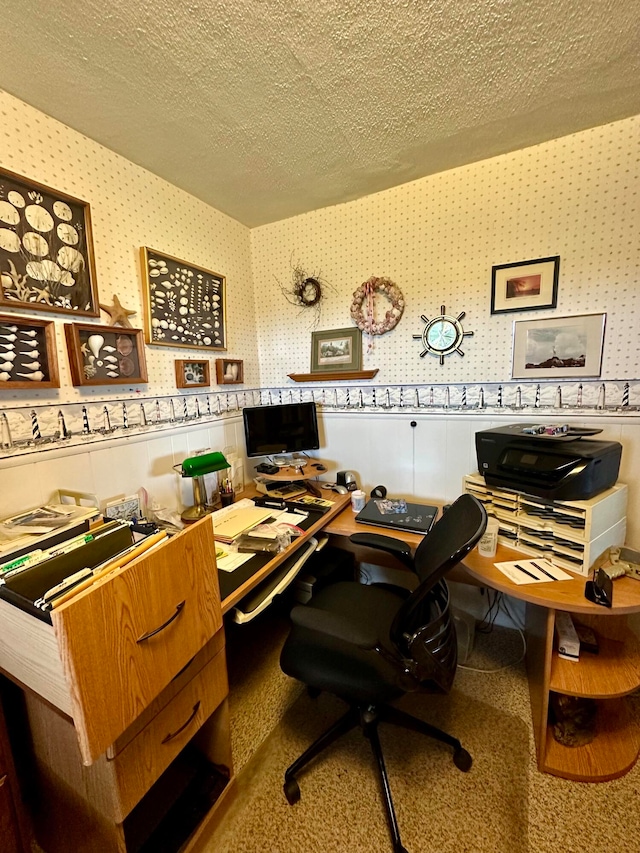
192 373
30 360
525 285
46 252
105 355
185 304
558 347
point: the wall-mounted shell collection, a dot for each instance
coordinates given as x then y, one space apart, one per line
27 353
185 304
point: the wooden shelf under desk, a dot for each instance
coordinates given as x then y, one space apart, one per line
613 672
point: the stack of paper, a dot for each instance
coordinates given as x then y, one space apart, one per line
236 522
532 571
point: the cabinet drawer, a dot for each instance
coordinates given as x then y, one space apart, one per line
140 764
124 639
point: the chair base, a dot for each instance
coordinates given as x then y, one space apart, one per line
368 719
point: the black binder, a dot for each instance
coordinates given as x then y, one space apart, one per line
27 587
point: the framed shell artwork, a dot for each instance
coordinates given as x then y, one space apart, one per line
27 353
105 355
46 250
184 303
192 374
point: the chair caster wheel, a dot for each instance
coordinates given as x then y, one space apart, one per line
291 791
462 760
313 692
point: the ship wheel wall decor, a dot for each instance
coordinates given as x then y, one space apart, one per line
442 335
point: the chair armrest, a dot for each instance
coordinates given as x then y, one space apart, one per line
392 546
333 626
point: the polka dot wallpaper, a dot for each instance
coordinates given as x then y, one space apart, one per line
437 240
130 208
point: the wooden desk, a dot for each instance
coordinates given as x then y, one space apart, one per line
340 502
607 677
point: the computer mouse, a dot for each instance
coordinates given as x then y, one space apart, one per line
341 490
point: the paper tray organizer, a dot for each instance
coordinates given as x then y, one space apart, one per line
28 586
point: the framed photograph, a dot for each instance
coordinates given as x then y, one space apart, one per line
525 286
229 371
184 303
105 355
336 350
192 374
558 348
28 357
46 249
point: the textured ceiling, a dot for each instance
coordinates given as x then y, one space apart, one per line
270 108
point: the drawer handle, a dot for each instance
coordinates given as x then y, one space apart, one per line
149 634
171 736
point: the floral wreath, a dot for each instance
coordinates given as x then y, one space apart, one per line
362 309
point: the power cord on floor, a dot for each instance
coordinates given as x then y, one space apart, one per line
486 626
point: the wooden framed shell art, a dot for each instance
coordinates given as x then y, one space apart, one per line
192 373
184 303
46 250
27 353
105 355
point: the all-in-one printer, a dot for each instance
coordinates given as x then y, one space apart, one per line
565 466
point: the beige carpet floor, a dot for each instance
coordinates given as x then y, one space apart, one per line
503 805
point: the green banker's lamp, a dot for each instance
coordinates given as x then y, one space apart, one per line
196 467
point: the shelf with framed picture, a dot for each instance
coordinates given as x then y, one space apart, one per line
335 354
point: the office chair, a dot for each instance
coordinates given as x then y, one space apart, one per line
371 644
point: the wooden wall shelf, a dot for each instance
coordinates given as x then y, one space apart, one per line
332 374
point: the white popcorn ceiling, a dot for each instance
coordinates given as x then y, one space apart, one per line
269 109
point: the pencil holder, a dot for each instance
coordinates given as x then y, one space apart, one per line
227 498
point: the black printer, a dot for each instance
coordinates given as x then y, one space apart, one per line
565 467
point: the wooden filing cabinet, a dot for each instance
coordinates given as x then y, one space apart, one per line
128 682
14 832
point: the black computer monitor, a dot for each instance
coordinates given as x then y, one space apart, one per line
291 428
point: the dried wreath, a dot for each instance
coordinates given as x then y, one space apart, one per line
362 308
307 291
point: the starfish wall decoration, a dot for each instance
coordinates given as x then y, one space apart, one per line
118 314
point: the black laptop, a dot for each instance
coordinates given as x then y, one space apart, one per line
398 515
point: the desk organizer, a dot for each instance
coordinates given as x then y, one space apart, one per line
570 533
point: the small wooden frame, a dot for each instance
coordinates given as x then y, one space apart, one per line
192 373
105 355
229 371
30 360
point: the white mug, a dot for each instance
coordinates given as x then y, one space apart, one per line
489 542
357 500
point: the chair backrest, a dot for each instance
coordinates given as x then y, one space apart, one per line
447 543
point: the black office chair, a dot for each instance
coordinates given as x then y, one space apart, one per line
371 644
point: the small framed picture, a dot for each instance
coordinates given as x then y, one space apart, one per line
558 348
336 350
28 356
192 374
229 371
46 249
525 286
105 355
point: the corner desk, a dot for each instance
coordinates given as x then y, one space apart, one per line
607 677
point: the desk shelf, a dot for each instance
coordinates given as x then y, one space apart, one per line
613 672
611 754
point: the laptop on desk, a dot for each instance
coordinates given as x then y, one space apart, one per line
398 515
